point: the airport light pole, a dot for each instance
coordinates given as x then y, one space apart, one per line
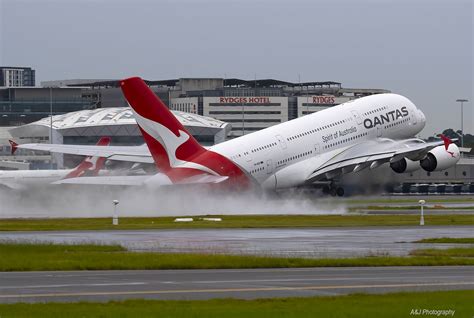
462 101
51 121
115 220
422 218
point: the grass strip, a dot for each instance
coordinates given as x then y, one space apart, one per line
455 199
232 221
410 207
460 240
355 305
450 252
42 257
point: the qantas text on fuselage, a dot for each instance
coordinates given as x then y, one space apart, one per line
386 118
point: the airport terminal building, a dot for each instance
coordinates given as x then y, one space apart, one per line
87 126
14 76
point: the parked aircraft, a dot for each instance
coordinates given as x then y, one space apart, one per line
23 179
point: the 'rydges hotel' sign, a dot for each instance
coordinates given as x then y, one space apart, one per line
244 100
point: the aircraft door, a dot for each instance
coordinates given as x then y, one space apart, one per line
247 156
269 166
356 116
317 149
379 131
281 141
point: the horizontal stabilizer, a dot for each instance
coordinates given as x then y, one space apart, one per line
141 180
139 154
203 179
106 180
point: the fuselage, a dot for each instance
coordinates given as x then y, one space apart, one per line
301 142
23 179
19 179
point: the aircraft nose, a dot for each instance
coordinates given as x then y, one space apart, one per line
422 118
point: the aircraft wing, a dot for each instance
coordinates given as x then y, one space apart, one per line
139 154
371 154
157 180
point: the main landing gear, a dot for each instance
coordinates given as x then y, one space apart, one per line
333 190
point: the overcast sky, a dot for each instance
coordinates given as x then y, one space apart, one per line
421 49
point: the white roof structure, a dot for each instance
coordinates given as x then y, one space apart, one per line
116 121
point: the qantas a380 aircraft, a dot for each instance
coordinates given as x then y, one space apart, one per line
23 179
363 133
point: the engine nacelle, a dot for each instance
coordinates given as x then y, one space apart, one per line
405 165
440 158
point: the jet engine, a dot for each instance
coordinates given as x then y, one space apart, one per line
440 158
405 165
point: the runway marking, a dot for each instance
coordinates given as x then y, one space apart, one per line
74 285
79 273
227 290
307 279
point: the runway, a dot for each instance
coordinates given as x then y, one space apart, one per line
246 284
294 242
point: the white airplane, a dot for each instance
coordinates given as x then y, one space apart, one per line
24 179
363 133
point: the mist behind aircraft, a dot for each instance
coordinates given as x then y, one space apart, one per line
69 202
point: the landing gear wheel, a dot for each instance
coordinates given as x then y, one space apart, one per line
333 192
340 191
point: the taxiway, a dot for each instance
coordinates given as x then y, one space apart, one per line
241 283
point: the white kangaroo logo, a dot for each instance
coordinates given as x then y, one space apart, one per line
93 161
170 142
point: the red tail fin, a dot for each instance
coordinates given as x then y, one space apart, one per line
176 153
169 142
91 165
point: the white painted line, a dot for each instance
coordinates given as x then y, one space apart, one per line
229 290
74 285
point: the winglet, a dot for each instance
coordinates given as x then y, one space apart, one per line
13 145
446 140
